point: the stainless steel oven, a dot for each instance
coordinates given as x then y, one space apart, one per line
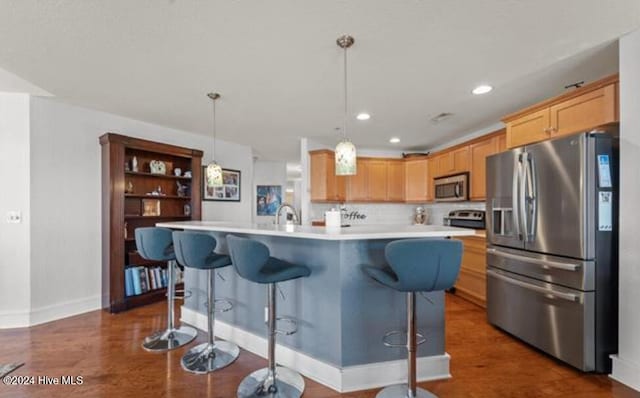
454 188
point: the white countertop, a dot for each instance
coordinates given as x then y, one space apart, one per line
356 232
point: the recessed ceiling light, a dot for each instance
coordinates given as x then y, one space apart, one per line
394 140
363 116
482 89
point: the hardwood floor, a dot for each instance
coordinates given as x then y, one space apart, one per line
105 350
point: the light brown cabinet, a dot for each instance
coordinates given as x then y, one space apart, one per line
472 281
357 185
451 161
585 108
479 151
377 183
325 185
584 112
527 129
417 181
396 180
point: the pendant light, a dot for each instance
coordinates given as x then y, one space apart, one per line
345 150
214 171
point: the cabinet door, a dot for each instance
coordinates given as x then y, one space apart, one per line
377 180
584 112
441 165
395 180
325 185
336 190
529 128
417 180
459 159
502 142
471 283
318 166
479 152
357 184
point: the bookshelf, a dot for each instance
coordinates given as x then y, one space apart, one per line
134 198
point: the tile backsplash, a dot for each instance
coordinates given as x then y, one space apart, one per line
392 213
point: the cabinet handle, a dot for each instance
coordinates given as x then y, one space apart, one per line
547 130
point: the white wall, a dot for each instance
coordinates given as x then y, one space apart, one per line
626 365
267 172
65 199
15 294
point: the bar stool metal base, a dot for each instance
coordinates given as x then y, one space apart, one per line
205 357
402 391
288 384
165 340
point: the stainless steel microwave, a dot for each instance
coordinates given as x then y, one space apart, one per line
454 188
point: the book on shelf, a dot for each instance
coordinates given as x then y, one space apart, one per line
128 282
142 279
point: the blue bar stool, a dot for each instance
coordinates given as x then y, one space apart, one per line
196 250
156 244
252 262
416 265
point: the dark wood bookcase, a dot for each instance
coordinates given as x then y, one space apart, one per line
124 192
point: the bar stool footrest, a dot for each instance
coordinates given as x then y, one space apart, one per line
228 305
386 339
290 321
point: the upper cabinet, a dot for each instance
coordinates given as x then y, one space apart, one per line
325 185
396 180
585 108
417 181
357 185
377 183
377 180
451 161
479 151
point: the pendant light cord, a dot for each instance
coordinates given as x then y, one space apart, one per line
344 128
214 131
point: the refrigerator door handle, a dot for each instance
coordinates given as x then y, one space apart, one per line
515 195
522 206
537 289
532 199
542 263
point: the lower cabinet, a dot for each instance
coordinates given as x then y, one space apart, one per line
472 281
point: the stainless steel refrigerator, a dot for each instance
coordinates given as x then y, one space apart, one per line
552 246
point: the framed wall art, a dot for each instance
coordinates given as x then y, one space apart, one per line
228 192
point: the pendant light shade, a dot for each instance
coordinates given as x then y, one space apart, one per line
214 174
214 170
345 154
346 159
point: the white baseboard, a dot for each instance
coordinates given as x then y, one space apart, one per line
625 372
14 319
49 313
347 379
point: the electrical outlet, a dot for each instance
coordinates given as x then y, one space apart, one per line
14 217
266 314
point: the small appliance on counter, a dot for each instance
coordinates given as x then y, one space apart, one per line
420 216
466 219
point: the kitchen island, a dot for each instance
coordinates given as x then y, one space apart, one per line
341 313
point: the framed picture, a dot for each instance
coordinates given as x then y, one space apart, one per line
268 199
150 207
228 192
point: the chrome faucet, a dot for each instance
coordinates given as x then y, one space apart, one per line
294 219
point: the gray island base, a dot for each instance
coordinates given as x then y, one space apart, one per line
342 315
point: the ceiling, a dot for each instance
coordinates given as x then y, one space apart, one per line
279 70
